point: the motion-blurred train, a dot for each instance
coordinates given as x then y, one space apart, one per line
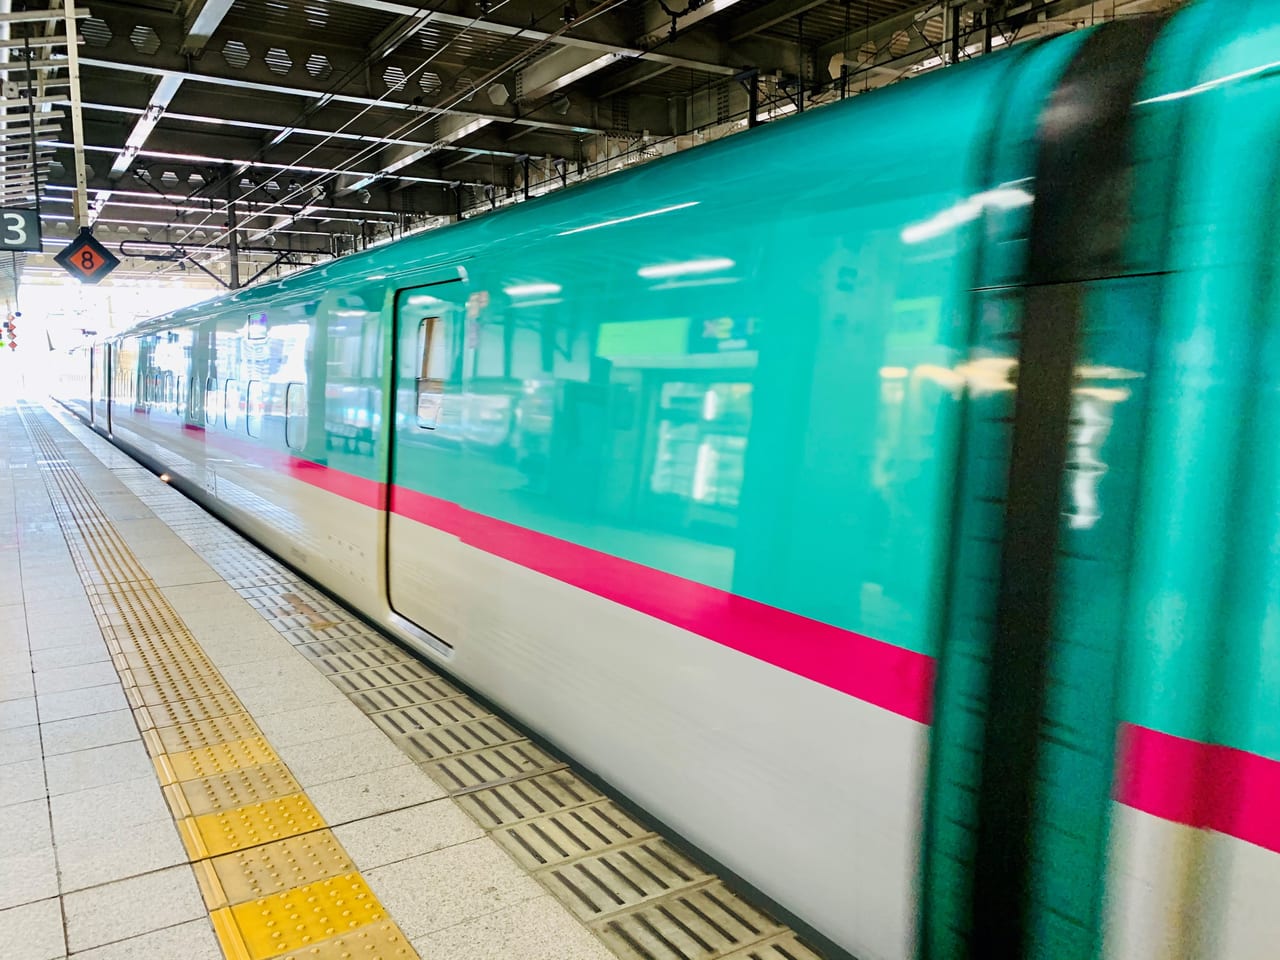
887 499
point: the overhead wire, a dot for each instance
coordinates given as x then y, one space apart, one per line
429 115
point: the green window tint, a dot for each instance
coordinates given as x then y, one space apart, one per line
213 401
255 408
231 405
295 406
433 368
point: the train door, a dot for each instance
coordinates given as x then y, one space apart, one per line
100 386
423 576
107 383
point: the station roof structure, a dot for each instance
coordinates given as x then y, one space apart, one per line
307 129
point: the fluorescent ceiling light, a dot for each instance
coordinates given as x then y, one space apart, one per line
634 216
660 271
532 289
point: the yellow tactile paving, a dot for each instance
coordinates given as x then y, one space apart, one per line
218 758
273 868
233 788
195 688
205 733
186 711
298 918
275 879
383 941
256 823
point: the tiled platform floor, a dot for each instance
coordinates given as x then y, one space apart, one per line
187 728
92 864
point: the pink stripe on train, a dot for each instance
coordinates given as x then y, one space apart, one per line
1202 785
891 677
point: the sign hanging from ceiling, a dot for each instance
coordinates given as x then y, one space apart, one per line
86 259
19 230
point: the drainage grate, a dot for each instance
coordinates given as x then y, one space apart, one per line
387 675
407 695
485 768
298 635
570 834
348 662
458 738
785 947
704 923
528 798
595 887
427 716
356 643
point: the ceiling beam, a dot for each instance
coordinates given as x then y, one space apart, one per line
768 16
493 24
394 159
559 69
230 82
659 25
200 18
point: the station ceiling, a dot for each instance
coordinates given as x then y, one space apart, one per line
318 127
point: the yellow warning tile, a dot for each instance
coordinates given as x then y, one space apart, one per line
181 688
273 868
299 918
187 711
234 788
215 759
374 941
249 826
150 666
206 733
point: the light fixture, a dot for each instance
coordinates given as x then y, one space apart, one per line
684 268
561 105
498 94
531 289
634 216
364 196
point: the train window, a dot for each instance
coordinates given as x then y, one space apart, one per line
253 408
295 416
195 409
433 366
231 405
179 395
256 328
212 397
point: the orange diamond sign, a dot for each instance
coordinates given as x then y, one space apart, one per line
86 259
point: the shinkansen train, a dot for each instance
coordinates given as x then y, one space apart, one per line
885 499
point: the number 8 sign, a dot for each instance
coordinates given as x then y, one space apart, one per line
19 230
86 259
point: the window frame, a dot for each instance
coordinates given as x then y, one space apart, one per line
227 421
248 406
429 390
290 418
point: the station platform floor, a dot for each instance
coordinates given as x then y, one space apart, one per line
201 755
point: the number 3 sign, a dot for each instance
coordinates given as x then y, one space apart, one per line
19 230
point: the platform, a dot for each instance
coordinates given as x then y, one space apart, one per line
202 755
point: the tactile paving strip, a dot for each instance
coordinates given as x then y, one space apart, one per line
275 879
644 899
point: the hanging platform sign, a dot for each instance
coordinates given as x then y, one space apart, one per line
19 230
86 259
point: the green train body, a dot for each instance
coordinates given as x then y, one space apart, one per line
886 499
